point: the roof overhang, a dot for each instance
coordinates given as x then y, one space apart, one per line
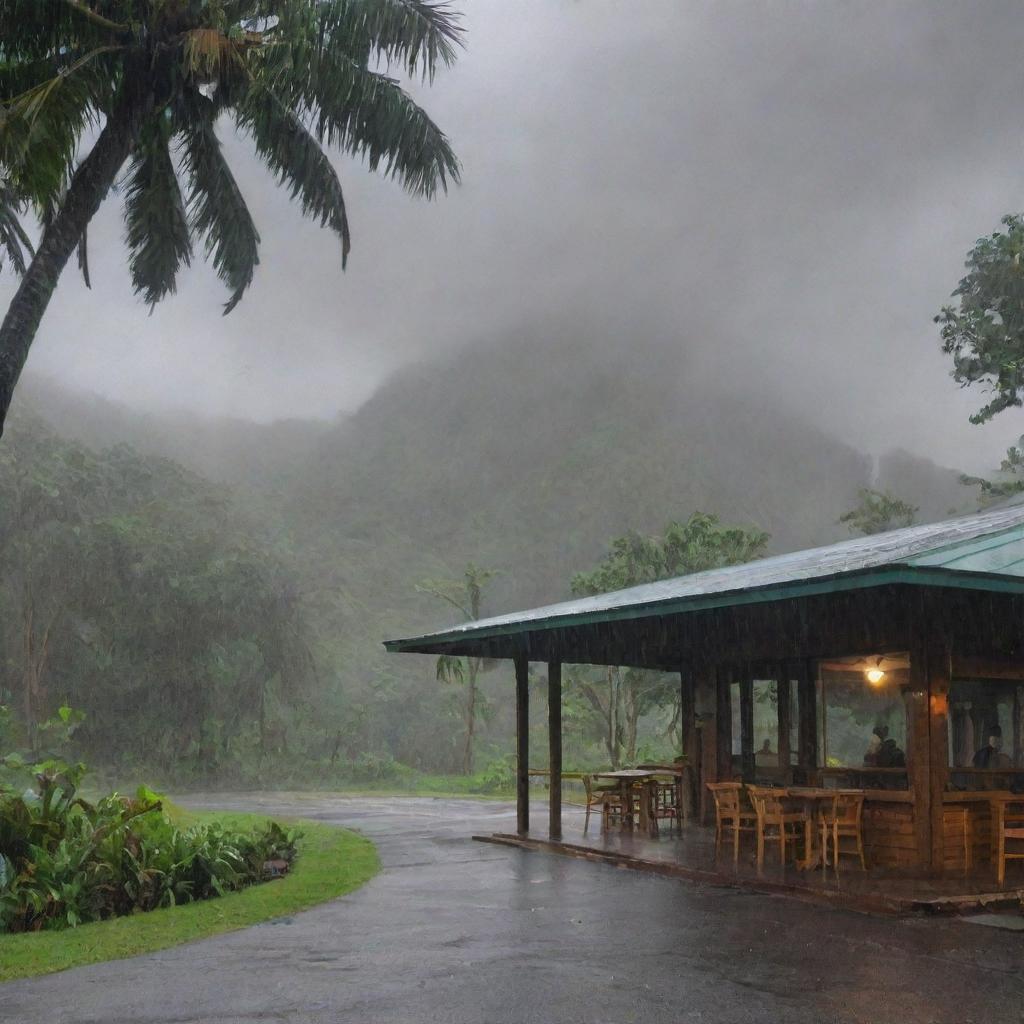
537 620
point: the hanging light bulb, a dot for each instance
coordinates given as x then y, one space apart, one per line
875 675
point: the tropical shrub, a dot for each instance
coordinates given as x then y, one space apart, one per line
499 776
65 861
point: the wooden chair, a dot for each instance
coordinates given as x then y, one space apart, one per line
663 796
842 819
600 796
1010 825
788 826
730 813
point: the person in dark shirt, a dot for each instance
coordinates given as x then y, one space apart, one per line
883 751
991 755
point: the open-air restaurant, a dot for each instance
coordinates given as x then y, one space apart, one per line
853 718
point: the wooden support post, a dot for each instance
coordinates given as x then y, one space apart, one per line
690 736
687 715
706 754
784 696
1017 709
522 744
939 665
555 748
747 726
915 699
723 724
807 725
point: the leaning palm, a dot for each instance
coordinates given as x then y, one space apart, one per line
148 79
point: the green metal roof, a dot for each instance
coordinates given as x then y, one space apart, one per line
983 551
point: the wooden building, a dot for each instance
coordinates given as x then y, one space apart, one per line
887 661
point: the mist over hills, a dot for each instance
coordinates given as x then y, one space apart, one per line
526 457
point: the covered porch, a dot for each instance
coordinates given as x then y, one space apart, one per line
890 665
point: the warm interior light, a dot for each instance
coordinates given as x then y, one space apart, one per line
875 675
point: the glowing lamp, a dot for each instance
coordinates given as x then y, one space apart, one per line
875 676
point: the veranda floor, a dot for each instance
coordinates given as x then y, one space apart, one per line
691 855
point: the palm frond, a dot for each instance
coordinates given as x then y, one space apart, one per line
158 235
367 114
295 156
13 239
418 35
216 207
39 29
40 128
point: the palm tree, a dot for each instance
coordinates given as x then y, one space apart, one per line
150 78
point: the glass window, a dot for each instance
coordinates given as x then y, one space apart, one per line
985 724
766 723
862 718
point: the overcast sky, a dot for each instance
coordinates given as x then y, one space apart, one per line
786 189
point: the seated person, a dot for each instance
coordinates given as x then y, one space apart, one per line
991 755
766 757
883 751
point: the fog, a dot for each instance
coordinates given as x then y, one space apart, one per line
786 190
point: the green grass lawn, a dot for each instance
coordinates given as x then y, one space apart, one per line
331 862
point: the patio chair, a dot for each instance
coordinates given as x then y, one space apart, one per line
1010 826
601 797
775 822
730 813
842 819
663 794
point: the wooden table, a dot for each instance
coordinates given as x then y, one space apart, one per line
627 778
997 799
811 797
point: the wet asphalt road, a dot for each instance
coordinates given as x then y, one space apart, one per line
457 931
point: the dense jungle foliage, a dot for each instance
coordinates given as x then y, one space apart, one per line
65 860
214 595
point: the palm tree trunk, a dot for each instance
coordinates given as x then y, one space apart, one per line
89 186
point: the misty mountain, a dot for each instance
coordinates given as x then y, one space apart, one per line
525 457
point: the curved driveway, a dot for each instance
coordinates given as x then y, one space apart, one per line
457 931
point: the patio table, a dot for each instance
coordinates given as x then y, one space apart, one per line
627 778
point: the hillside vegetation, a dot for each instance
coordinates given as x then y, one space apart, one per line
231 582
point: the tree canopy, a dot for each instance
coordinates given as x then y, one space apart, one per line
617 698
694 545
985 333
151 79
877 512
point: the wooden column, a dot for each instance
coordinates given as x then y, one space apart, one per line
1017 709
555 748
807 710
785 698
690 735
919 755
927 705
939 665
706 714
522 744
687 715
747 725
723 725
